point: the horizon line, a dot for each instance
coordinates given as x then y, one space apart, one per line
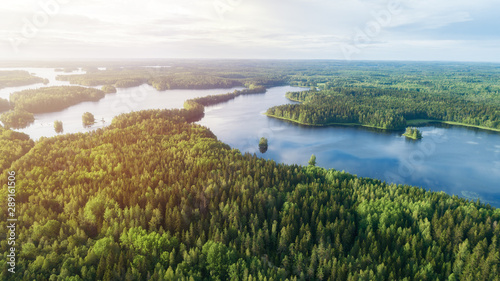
69 60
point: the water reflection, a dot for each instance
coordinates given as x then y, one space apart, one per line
47 73
123 101
457 160
448 158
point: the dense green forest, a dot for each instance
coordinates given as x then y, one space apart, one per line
376 94
384 108
118 77
4 105
476 81
50 99
17 118
15 78
12 146
155 197
180 77
215 99
472 81
177 81
41 100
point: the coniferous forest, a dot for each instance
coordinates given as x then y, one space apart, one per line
249 140
155 197
14 78
4 105
17 118
50 99
384 108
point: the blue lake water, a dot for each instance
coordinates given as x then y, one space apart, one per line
456 160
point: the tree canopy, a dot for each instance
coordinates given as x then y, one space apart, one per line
58 126
50 99
413 133
4 105
16 78
88 119
17 118
155 197
384 108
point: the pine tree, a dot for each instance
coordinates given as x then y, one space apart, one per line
312 160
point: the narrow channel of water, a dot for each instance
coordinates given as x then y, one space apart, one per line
457 160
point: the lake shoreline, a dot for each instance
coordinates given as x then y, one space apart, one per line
414 122
328 124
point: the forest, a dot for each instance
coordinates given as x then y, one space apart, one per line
17 118
108 89
176 77
154 196
176 81
47 99
13 145
472 81
4 105
475 81
215 99
120 78
15 78
50 99
384 108
385 95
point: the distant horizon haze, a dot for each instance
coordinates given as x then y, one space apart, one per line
381 30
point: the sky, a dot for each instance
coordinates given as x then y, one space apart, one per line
429 30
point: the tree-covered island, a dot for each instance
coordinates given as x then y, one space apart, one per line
413 133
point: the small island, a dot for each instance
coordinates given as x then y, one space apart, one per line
52 99
88 119
16 78
413 133
58 126
263 145
17 119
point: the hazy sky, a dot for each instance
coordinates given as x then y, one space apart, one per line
462 30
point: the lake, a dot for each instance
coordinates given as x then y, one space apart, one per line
453 159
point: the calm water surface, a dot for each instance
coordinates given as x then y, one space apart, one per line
456 160
48 73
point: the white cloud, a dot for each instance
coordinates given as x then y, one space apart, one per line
257 28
